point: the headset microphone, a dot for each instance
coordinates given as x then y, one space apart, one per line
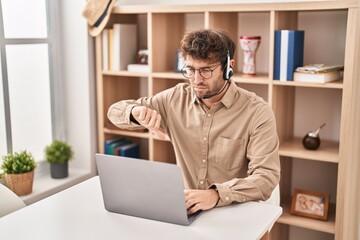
211 95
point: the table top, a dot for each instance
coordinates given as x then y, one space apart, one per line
78 213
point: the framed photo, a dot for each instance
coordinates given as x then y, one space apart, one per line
310 204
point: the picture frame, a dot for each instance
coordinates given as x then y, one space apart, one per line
310 204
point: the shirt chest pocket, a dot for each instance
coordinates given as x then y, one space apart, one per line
230 153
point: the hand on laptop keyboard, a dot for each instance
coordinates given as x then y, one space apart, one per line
196 200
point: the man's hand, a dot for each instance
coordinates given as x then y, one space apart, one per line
150 119
200 199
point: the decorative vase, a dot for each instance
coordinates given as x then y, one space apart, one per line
21 184
59 170
249 45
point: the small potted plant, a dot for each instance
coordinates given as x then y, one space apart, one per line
19 172
58 154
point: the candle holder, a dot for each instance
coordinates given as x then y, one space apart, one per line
249 45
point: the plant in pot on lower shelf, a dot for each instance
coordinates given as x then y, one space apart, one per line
19 172
58 155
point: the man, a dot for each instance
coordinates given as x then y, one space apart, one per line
224 137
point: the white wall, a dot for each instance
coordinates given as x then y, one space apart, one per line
79 84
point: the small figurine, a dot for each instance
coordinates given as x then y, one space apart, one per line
311 140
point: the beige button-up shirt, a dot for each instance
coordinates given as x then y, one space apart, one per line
233 145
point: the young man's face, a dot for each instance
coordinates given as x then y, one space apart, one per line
205 86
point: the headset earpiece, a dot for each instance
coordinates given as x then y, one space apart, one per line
228 71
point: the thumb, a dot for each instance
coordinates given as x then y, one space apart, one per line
158 131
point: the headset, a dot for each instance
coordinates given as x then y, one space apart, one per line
228 71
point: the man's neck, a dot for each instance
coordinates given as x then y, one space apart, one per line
211 101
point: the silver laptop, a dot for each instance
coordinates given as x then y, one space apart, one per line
143 188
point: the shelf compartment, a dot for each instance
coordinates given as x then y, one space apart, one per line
308 223
161 84
328 151
245 24
169 29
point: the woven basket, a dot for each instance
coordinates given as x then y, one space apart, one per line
20 184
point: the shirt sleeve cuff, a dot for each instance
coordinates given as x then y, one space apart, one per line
224 193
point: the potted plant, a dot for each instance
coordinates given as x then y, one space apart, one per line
19 172
58 154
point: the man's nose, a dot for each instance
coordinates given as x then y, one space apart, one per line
197 77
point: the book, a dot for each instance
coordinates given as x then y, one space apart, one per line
288 53
321 77
108 142
111 48
141 68
319 68
105 49
125 45
129 150
114 147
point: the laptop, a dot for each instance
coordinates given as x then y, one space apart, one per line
143 188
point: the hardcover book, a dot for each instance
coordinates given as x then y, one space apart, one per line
322 77
288 53
129 150
105 49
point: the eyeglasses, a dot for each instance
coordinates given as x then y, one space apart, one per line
205 72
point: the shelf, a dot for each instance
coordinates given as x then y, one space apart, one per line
331 29
308 223
335 84
172 75
328 151
125 73
260 78
127 133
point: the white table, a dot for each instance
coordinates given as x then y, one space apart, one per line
79 213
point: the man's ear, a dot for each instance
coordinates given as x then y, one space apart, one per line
232 63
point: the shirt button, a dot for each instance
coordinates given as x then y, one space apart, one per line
243 199
227 198
209 115
201 182
204 138
204 160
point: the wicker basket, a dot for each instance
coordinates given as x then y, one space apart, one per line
20 184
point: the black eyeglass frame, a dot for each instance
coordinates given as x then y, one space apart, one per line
199 69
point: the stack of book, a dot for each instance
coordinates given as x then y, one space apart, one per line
318 73
119 46
121 147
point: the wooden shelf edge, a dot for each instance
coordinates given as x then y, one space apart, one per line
234 7
308 223
328 151
260 78
332 85
127 133
125 73
168 74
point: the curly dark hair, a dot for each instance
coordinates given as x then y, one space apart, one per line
208 44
